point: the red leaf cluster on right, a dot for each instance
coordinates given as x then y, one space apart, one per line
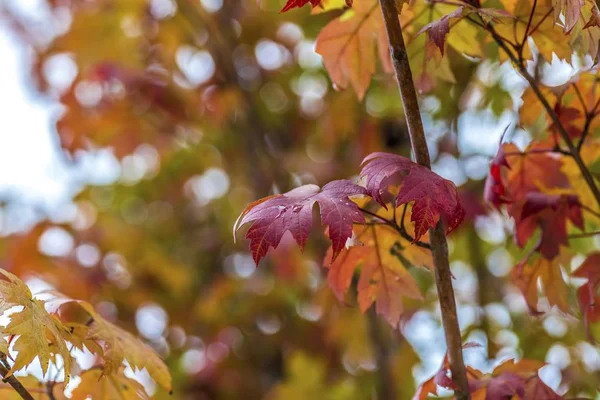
521 181
509 380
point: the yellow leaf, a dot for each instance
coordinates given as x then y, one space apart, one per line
39 334
94 385
384 257
527 274
328 5
120 345
548 37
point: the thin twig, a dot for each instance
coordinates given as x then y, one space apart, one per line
401 230
586 129
526 35
584 235
589 210
538 151
439 246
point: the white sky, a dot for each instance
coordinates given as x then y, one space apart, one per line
30 163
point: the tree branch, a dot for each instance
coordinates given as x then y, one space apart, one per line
14 382
439 246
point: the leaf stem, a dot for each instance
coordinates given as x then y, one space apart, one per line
400 229
584 235
591 211
439 246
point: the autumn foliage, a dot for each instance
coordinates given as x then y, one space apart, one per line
284 120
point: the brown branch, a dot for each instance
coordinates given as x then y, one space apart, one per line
586 129
439 246
526 35
14 382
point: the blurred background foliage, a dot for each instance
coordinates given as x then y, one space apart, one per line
191 109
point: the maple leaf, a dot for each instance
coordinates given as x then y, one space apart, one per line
116 344
587 294
528 174
528 272
550 213
434 197
549 38
348 45
95 386
272 216
39 334
518 378
439 29
299 3
567 116
384 279
511 379
119 345
495 190
571 9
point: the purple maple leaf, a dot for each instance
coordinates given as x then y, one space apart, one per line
434 197
292 211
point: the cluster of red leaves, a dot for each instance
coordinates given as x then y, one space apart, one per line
531 184
434 198
509 380
521 180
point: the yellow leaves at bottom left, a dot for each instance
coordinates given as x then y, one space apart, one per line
34 332
39 334
95 386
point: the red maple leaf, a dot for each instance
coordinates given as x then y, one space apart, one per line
299 3
550 213
438 30
508 380
434 197
520 186
495 190
292 211
568 117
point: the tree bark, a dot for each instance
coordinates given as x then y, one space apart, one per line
439 246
